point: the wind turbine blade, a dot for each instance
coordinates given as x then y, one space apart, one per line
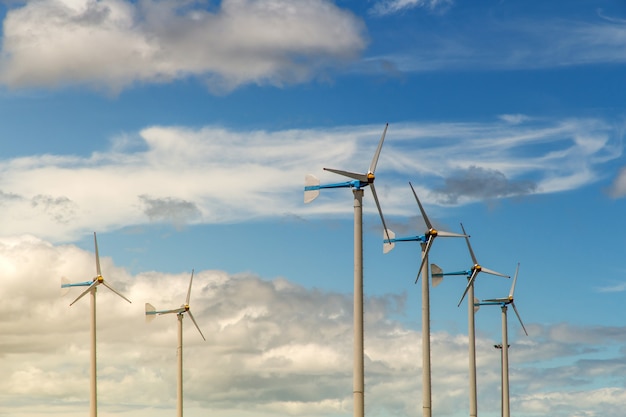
382 218
424 216
353 175
189 290
93 284
115 291
497 300
470 282
377 154
65 287
469 246
150 312
518 317
476 305
442 233
310 190
514 281
388 246
95 241
492 272
436 274
196 324
429 243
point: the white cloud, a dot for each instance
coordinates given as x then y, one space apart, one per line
273 348
387 7
511 44
112 44
215 175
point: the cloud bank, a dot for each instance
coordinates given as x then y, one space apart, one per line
215 175
273 348
113 44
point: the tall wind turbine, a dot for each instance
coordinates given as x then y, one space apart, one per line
91 289
359 181
151 312
437 276
503 303
426 240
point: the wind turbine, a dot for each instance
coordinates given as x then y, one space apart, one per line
91 289
151 312
359 181
426 241
437 276
503 303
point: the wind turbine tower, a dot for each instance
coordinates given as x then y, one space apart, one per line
471 274
503 303
91 289
359 181
151 312
426 240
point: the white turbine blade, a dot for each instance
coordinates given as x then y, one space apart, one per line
189 290
95 241
514 281
115 291
492 272
496 300
150 312
353 175
388 246
476 304
429 243
377 154
470 282
382 218
442 233
65 288
518 317
93 284
469 246
436 274
196 324
424 216
311 181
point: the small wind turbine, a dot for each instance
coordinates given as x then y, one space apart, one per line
437 276
426 240
151 312
359 181
91 289
503 303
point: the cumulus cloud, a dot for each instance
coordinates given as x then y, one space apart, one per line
112 44
272 348
216 175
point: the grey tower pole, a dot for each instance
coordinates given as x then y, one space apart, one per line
505 365
358 383
179 371
471 336
426 378
93 394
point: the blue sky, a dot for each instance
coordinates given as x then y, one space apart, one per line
181 133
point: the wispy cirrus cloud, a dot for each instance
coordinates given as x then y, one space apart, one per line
512 44
387 7
217 175
112 44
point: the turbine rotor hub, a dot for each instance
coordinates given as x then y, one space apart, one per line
370 177
478 267
100 279
433 232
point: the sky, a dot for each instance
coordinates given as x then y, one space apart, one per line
181 132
